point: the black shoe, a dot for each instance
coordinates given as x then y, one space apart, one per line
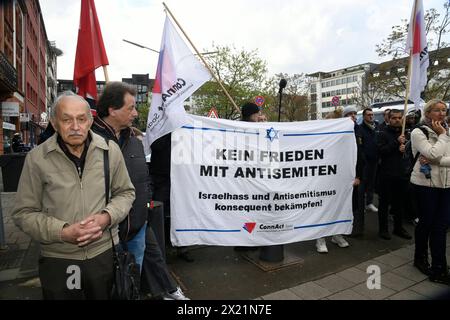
422 265
443 277
402 233
384 235
185 256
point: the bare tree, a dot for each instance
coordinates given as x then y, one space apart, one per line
391 80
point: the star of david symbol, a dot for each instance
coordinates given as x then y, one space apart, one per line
272 134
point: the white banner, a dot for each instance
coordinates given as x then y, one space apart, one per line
179 74
241 183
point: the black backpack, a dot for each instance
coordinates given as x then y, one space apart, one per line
410 158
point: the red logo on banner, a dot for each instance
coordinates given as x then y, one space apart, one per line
249 226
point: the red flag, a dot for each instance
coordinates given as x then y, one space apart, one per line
91 52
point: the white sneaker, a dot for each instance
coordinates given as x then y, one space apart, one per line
177 295
321 245
340 241
371 207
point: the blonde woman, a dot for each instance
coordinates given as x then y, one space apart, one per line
431 178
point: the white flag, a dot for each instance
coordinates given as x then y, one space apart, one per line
178 76
417 45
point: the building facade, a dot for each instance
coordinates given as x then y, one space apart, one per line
52 84
36 44
329 90
27 70
67 85
12 71
369 83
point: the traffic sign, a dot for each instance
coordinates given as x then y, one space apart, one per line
335 101
213 113
259 101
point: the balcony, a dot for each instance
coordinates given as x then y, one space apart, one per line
8 75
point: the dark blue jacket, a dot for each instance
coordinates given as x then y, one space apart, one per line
392 161
133 154
369 146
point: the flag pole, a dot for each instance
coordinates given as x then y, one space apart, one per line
203 60
408 83
105 71
408 80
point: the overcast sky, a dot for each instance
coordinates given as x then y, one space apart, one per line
293 36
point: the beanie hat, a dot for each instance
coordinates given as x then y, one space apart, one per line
248 109
349 109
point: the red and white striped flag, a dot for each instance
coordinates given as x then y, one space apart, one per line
179 74
417 45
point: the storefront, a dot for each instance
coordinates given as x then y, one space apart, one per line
10 117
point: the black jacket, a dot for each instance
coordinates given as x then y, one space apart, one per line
360 158
369 145
392 161
160 168
133 153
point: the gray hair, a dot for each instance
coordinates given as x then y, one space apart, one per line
430 104
66 94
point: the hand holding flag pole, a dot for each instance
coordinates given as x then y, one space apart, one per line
204 61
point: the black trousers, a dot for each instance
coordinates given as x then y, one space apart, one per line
155 276
367 186
358 212
67 279
434 219
392 193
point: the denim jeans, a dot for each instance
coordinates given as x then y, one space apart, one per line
137 245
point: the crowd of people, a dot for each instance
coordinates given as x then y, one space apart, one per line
410 187
61 201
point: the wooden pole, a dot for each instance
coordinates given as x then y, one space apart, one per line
105 71
203 60
408 83
408 79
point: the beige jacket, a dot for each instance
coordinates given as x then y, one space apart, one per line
51 194
437 150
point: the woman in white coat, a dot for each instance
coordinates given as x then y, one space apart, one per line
431 178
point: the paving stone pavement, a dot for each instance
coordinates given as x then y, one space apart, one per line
399 280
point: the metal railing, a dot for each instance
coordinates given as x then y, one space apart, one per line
8 74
